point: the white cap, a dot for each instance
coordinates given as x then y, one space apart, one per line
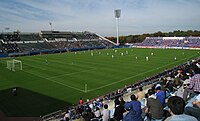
187 81
158 85
169 78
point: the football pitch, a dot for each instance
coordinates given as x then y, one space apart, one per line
52 82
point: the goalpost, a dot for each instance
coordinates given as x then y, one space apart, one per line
14 64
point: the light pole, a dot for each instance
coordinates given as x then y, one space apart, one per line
50 25
117 16
51 30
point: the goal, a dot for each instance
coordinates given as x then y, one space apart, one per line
14 64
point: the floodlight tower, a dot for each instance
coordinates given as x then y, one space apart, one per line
117 16
50 26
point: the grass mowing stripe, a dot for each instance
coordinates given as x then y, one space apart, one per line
88 60
107 71
67 63
60 70
138 74
56 82
70 73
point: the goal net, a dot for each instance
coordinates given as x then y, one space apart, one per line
14 65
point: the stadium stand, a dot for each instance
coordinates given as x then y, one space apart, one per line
29 37
165 42
50 41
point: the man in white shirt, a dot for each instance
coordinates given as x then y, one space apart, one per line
105 113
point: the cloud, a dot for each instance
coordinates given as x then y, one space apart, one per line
138 16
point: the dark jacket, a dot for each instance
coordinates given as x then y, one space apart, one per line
155 107
118 114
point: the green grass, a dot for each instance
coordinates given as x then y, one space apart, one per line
47 87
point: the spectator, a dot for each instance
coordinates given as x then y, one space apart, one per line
66 117
91 105
116 101
135 103
140 95
14 91
160 94
81 101
119 110
169 84
154 108
130 116
122 102
176 108
193 88
105 113
136 110
195 109
88 115
97 113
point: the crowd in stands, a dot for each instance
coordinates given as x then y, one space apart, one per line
50 40
77 44
171 42
174 95
10 37
55 40
85 35
29 37
6 46
51 35
9 48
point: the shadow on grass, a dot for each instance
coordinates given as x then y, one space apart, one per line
28 103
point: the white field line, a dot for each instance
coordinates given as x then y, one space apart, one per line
57 82
70 73
64 63
50 78
34 67
71 64
92 68
136 75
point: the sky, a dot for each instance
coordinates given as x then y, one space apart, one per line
137 16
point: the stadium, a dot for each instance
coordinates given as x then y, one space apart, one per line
55 75
60 67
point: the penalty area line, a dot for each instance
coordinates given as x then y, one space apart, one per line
70 73
57 82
